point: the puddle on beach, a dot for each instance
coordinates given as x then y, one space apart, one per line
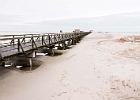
28 68
55 54
22 63
37 63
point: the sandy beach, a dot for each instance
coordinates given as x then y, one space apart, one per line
100 67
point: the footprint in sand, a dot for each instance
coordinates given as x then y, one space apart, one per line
127 84
58 94
123 83
63 77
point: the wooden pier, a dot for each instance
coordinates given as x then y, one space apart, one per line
27 44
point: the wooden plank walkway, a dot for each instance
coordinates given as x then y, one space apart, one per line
15 45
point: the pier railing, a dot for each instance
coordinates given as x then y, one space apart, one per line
13 45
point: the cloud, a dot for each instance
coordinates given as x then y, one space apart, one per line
118 22
100 21
10 19
58 9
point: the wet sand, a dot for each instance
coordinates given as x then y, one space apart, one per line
98 68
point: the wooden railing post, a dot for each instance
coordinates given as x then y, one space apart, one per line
49 39
32 43
34 46
13 40
39 37
42 40
0 54
24 39
18 45
54 38
59 37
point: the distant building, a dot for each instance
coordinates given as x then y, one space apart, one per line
106 32
77 30
91 31
81 31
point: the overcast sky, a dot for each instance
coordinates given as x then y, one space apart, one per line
21 12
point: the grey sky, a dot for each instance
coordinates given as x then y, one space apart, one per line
21 12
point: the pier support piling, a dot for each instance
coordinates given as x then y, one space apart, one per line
73 41
69 43
3 64
30 63
62 46
33 54
30 56
51 51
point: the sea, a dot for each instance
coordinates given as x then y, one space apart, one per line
22 32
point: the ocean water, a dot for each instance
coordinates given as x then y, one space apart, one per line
115 34
20 32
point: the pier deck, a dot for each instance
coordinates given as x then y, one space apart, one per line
15 45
